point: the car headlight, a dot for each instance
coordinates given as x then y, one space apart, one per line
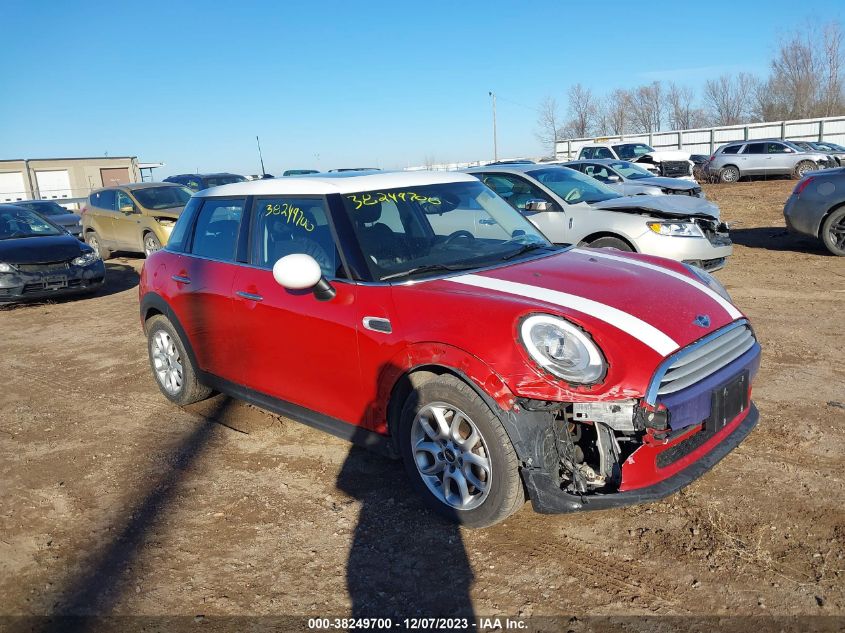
710 281
676 229
6 268
562 349
85 259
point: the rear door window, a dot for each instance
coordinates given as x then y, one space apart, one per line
216 232
755 148
104 199
603 152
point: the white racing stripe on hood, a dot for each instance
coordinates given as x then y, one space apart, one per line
727 305
637 328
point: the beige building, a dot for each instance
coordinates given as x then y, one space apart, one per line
65 180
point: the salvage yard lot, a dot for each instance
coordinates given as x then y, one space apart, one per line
115 501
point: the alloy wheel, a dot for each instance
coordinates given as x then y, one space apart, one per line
451 456
94 244
837 233
167 363
150 245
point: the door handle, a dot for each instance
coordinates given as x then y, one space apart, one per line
249 296
180 279
487 221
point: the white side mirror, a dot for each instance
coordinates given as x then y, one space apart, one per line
297 272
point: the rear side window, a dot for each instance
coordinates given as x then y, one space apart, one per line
288 225
603 152
755 148
731 149
216 232
103 199
178 240
587 152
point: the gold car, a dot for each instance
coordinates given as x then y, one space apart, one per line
136 217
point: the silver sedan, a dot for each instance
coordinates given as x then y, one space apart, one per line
630 179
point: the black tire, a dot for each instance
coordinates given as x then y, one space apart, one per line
729 174
505 495
802 168
833 232
93 240
611 242
151 244
191 389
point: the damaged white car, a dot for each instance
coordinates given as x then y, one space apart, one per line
668 163
572 208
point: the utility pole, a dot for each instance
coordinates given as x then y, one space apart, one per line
495 143
261 158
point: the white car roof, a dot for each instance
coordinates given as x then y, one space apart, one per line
339 182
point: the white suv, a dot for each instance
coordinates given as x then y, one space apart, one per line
668 163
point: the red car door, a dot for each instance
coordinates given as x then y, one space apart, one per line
292 346
202 288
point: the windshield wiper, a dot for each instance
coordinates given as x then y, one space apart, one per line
427 268
524 249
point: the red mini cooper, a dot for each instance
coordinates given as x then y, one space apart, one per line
419 314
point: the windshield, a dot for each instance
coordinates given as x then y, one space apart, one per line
216 181
627 151
162 197
20 222
419 230
630 170
829 147
573 186
45 208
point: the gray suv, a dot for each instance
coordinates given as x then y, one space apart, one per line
764 157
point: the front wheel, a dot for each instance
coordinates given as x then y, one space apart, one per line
729 174
172 367
611 242
458 455
151 244
803 168
833 232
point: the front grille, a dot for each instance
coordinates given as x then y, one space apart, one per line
716 232
702 360
684 447
674 168
48 267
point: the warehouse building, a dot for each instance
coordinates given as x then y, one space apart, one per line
66 180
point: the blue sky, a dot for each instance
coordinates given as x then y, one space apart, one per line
333 84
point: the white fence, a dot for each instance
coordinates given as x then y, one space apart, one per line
706 140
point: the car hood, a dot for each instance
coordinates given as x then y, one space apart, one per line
37 250
664 183
619 299
666 154
670 206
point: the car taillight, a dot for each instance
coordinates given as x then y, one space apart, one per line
713 157
802 185
83 210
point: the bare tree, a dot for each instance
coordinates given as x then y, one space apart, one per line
582 111
730 98
832 99
549 123
647 107
615 112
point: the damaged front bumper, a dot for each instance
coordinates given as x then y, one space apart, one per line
578 457
51 281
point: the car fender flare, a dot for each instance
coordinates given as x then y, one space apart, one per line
825 216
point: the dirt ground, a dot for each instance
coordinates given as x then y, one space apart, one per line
113 501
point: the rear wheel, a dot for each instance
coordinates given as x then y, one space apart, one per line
833 232
93 240
151 244
174 373
458 455
729 174
803 168
611 242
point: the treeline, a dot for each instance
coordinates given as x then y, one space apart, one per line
805 80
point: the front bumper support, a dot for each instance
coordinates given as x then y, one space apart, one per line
548 498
